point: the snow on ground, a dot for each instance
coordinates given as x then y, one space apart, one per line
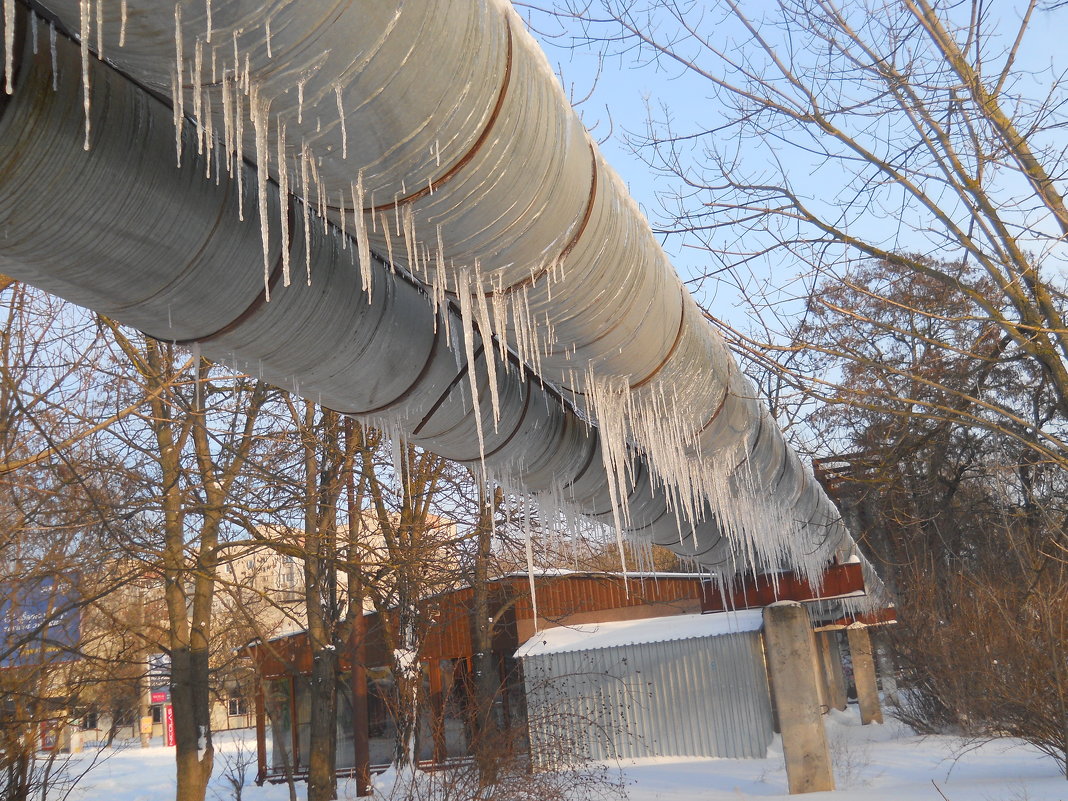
872 763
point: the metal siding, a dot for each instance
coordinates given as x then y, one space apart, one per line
704 696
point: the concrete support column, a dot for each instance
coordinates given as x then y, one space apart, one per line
790 646
832 668
864 674
819 666
884 662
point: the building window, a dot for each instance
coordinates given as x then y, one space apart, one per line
236 705
89 721
157 714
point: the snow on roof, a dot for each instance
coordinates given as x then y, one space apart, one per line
631 632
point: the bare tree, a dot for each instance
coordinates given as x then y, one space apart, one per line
408 495
195 438
920 134
327 471
57 526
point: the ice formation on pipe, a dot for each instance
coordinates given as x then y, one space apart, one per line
437 134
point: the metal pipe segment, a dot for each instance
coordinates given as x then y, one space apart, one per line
439 116
123 231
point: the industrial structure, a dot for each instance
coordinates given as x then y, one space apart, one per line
602 666
391 208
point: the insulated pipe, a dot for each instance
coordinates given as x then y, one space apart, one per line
125 232
477 146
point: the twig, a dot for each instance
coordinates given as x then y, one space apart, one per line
939 789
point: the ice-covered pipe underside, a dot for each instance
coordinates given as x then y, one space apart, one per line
443 124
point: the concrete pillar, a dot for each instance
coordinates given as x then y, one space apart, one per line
884 663
790 647
864 674
832 668
819 667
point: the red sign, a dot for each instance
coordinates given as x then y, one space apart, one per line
161 696
48 735
168 724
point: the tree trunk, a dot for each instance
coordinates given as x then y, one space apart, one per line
408 676
189 680
327 470
322 759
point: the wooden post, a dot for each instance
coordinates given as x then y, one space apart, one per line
294 728
261 732
790 647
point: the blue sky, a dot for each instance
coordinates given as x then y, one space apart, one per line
623 93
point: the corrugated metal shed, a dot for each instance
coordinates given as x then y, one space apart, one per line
680 692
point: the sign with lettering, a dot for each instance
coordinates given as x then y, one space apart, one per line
168 724
40 621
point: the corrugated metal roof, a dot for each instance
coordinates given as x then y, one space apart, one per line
566 639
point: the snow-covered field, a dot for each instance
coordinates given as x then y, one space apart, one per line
872 763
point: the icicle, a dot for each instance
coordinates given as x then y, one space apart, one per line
259 111
300 100
197 388
9 46
362 245
209 136
207 11
52 49
214 66
237 59
341 116
179 89
344 220
389 243
84 8
33 32
100 29
306 210
486 333
239 140
228 123
499 308
320 200
267 35
283 194
122 23
198 114
529 551
395 446
438 280
463 291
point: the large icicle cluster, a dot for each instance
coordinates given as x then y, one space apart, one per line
436 135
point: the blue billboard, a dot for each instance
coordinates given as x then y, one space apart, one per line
40 621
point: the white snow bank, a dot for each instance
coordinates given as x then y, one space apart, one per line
629 632
871 763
